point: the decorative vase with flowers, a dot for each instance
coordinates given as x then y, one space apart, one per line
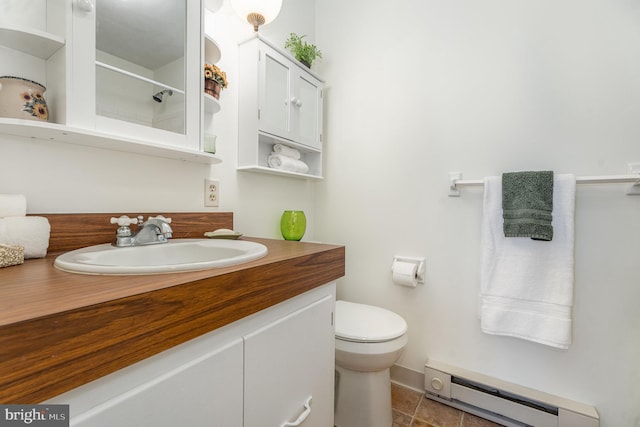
22 99
214 80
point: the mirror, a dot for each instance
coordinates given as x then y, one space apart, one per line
140 62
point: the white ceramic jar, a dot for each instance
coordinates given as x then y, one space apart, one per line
22 99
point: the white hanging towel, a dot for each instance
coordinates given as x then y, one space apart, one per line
526 286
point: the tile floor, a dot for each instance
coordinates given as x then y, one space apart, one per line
412 409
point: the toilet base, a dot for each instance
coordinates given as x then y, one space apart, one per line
363 398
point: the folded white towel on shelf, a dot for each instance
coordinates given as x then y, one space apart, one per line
30 232
278 161
12 205
527 285
285 150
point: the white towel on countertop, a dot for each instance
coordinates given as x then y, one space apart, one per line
527 285
30 232
12 205
285 150
278 161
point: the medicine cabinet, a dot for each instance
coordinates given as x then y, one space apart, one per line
124 75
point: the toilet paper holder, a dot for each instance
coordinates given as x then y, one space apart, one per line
420 262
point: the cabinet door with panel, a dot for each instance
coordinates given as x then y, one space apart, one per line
289 99
205 391
289 369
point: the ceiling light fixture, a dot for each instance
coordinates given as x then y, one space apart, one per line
257 12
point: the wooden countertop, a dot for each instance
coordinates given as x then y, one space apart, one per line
60 330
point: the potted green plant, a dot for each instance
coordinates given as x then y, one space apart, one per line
303 51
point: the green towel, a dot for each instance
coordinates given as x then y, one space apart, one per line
527 204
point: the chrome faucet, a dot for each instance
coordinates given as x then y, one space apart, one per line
155 230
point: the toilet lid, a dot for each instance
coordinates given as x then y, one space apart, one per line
366 323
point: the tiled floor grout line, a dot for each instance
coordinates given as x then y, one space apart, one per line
415 410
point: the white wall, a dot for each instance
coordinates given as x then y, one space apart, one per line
420 88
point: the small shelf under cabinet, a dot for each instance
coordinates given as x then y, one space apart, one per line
257 159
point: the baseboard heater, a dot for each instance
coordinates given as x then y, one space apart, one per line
502 402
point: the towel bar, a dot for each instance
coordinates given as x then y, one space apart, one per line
455 180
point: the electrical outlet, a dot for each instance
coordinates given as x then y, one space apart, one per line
211 192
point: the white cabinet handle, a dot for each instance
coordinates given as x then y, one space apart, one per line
303 416
295 101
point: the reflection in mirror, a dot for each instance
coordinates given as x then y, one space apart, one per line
140 62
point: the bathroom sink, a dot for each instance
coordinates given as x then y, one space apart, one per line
175 256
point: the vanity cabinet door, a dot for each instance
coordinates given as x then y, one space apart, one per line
206 391
289 362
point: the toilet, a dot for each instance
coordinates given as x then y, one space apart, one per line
368 341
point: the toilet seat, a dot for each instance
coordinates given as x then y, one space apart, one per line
367 324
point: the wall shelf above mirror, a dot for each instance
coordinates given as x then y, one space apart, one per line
65 134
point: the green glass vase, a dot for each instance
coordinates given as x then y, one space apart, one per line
293 224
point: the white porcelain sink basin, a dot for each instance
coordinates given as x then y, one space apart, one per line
175 256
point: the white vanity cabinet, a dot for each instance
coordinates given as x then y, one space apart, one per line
280 102
289 370
256 372
103 64
167 391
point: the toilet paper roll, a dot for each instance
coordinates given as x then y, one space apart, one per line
405 273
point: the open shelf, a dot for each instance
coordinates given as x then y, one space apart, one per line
271 171
33 42
54 132
212 53
211 105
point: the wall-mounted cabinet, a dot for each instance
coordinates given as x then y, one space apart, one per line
280 102
114 71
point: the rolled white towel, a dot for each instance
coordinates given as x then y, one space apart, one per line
281 162
12 205
285 150
30 232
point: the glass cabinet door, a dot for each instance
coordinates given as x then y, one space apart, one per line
140 62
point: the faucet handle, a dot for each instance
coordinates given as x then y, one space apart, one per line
124 221
161 218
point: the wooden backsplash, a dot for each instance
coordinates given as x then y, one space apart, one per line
77 230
